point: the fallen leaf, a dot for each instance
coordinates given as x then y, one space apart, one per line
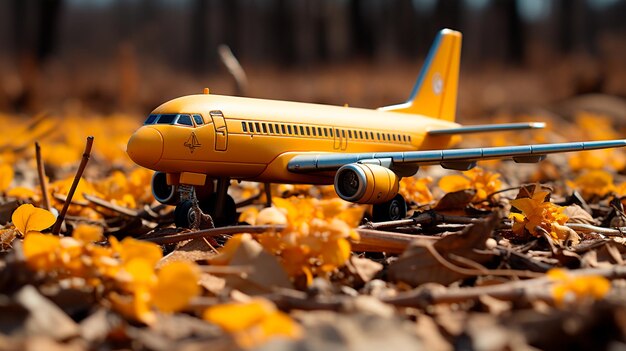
419 264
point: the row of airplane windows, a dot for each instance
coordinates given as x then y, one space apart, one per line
289 129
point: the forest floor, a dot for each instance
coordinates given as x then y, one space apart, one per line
505 256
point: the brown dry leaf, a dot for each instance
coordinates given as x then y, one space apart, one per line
455 201
268 272
417 265
212 283
576 214
6 238
430 334
45 318
364 269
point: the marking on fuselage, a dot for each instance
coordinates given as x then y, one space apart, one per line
192 143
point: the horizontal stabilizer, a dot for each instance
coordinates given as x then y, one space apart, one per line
485 128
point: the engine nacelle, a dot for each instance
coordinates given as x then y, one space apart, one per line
366 183
163 192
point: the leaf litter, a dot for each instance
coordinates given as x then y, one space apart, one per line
501 257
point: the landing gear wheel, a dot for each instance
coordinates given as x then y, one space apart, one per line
229 210
184 215
391 210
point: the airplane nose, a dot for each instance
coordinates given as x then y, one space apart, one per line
145 147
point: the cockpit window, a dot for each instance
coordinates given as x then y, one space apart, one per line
150 119
166 119
198 119
184 120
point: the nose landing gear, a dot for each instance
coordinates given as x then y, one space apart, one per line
219 208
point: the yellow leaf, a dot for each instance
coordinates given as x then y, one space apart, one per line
6 176
40 250
141 272
130 248
234 317
28 218
335 254
280 324
177 285
20 192
249 215
455 182
87 233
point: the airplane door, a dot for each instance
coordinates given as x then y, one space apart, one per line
337 144
221 133
341 141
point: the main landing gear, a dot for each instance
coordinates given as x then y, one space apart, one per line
392 210
219 205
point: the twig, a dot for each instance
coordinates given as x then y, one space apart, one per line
225 270
111 206
79 173
379 241
42 178
588 228
505 291
484 271
234 68
170 239
64 198
423 218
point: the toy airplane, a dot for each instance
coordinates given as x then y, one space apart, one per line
193 140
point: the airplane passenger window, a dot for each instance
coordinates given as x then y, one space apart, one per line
184 120
243 126
151 119
166 119
198 119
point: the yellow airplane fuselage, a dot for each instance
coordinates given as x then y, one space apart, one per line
253 139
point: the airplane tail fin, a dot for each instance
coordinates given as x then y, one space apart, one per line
435 92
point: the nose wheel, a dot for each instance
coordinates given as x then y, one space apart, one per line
391 210
219 205
185 215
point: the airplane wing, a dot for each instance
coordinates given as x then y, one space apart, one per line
459 159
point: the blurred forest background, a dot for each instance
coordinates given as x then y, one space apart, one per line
130 55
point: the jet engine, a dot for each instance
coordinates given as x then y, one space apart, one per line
163 192
366 183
